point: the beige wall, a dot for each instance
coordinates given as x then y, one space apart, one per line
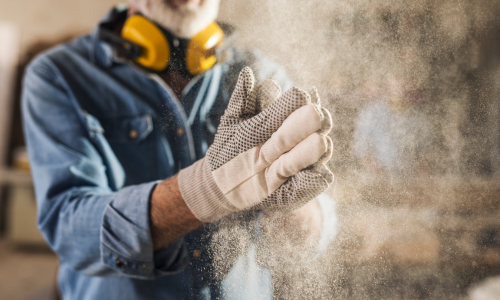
283 29
293 33
49 19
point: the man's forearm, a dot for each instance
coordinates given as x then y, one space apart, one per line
171 218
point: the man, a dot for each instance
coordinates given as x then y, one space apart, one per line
102 133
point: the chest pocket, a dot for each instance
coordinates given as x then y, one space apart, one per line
127 130
138 146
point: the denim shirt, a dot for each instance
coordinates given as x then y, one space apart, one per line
100 135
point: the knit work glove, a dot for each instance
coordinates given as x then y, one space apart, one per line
270 160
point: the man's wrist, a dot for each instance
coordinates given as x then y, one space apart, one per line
201 194
170 218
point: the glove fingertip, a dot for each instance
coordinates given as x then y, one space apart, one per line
303 95
329 150
325 172
313 93
271 85
326 123
238 104
293 99
265 93
246 79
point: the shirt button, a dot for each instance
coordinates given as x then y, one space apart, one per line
196 253
180 131
120 264
133 134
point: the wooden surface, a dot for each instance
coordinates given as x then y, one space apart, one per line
9 55
439 221
440 194
13 177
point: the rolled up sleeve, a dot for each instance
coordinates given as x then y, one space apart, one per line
126 244
93 224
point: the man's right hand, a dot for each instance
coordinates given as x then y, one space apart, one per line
271 160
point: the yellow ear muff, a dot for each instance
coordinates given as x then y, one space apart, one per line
156 51
200 53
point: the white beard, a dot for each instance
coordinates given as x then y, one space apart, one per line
184 21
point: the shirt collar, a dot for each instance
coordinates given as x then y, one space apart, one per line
101 53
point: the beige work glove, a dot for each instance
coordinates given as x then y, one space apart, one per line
272 160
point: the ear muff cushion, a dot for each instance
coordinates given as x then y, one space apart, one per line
156 51
200 53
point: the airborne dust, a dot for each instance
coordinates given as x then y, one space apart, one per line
413 87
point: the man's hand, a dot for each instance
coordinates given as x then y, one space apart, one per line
270 160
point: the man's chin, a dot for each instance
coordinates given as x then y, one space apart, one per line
184 21
189 4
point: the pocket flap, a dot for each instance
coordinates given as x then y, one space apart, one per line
127 129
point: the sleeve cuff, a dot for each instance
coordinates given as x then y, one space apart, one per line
201 193
126 242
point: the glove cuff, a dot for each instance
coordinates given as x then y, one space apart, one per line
201 194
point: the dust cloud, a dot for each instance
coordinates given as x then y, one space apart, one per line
413 87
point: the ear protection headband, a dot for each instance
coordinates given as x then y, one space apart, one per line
144 42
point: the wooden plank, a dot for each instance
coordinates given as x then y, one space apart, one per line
14 177
9 58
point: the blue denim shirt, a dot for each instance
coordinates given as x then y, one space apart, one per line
100 135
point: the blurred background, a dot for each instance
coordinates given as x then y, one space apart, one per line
414 91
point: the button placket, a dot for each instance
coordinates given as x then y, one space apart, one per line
133 134
180 131
120 264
